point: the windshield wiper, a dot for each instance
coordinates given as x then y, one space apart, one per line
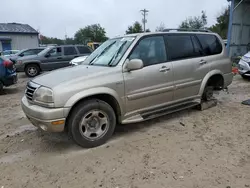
104 50
116 54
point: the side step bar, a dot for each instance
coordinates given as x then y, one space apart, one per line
169 110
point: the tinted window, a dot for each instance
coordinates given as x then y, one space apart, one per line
83 49
150 50
70 51
182 47
197 47
210 44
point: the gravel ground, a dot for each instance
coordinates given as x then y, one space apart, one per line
188 149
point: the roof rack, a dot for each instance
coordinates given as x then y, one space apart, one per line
190 30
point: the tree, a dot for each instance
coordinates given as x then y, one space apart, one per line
135 28
221 27
50 40
160 28
196 22
94 33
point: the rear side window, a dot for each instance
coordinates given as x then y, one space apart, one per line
83 49
210 44
182 47
70 50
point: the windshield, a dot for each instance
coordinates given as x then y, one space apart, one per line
110 52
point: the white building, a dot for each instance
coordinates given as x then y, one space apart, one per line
15 36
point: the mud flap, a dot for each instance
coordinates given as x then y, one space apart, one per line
207 104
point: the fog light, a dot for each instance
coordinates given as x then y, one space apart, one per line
60 122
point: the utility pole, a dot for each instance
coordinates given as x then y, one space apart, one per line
144 21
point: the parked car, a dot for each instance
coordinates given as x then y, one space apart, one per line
244 66
78 60
25 52
8 53
128 79
8 74
51 58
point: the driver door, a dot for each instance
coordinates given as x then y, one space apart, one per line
152 86
53 59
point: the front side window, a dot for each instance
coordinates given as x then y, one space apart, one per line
55 52
181 47
70 51
150 50
210 44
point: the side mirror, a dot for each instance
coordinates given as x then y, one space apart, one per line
134 64
21 55
47 55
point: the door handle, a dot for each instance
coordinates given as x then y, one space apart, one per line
202 62
59 58
164 69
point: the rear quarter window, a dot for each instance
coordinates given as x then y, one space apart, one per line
210 44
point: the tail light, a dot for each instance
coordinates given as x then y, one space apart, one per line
8 64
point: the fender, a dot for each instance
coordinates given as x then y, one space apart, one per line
94 91
206 78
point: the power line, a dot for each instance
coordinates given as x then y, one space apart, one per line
144 21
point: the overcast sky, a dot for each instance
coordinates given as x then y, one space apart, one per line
54 18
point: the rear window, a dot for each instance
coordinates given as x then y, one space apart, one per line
70 50
182 47
83 49
210 44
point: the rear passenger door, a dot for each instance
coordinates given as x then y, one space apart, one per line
84 50
189 65
69 54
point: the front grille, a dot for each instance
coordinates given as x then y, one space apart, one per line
31 88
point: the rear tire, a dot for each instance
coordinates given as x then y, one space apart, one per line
92 123
32 70
208 93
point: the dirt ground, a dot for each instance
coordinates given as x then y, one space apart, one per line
188 149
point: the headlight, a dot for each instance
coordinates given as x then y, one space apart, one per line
246 59
44 96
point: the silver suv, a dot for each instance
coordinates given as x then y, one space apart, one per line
126 80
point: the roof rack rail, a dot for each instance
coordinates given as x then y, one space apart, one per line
190 30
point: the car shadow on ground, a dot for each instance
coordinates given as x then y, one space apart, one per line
61 142
7 91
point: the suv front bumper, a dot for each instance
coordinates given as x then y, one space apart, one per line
47 119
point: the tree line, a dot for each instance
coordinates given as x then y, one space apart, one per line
96 33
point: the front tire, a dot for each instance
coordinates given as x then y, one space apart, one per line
92 123
32 70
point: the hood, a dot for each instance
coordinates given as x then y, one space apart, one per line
64 75
247 55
